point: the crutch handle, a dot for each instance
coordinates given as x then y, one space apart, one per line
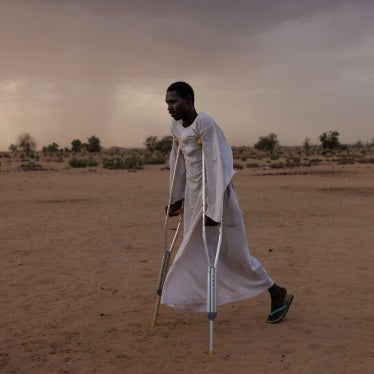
177 212
174 209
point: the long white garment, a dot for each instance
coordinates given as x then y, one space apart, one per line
239 275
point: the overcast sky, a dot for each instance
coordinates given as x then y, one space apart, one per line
74 68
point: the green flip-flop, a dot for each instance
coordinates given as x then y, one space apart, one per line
278 314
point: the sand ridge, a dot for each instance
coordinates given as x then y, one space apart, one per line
80 256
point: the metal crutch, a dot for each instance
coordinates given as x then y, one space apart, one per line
165 263
212 266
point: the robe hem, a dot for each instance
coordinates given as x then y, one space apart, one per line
201 307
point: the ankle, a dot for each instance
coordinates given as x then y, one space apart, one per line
274 289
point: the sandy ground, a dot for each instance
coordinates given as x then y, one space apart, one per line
80 256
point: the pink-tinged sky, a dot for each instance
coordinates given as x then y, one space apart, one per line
74 68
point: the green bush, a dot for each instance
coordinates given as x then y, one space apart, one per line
346 161
252 165
78 163
293 161
133 163
31 166
92 162
366 160
307 163
315 161
274 156
277 165
238 166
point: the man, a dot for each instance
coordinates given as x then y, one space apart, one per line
239 275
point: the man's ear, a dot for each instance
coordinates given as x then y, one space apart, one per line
189 98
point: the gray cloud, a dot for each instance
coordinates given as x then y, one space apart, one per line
293 67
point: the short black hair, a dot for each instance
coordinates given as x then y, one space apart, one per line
184 89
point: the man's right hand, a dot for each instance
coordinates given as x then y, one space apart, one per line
175 209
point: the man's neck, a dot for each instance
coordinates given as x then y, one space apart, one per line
189 119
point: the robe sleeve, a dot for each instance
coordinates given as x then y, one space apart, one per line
218 166
180 174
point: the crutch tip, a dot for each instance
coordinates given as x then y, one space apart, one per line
154 323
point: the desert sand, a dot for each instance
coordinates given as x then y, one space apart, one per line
80 258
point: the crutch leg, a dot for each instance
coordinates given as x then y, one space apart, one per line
212 266
167 251
163 272
164 269
212 306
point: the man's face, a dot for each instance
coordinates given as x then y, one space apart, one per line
177 106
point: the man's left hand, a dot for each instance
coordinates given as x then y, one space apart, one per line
210 222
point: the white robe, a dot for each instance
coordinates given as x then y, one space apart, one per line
239 275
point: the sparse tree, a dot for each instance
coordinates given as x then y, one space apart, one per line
330 140
52 148
13 148
268 143
94 144
27 143
359 144
150 143
307 145
164 145
76 145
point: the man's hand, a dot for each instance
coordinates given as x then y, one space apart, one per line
210 222
175 209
